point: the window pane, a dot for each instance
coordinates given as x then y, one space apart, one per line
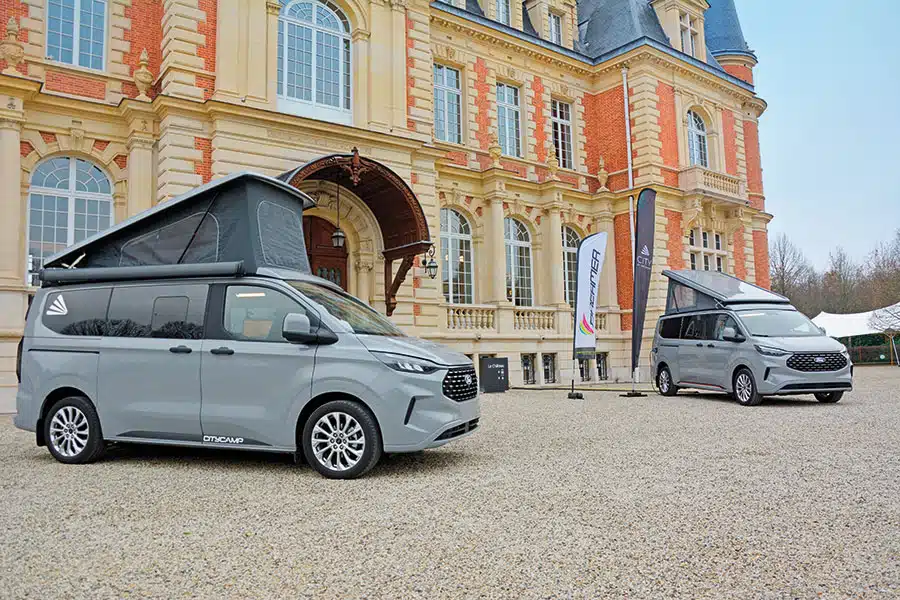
61 30
328 80
163 311
77 312
257 314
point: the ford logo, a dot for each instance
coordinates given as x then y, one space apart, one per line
468 379
820 359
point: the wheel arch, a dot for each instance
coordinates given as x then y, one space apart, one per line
51 399
734 373
321 399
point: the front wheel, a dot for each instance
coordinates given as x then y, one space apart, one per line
341 440
664 382
829 397
72 431
745 391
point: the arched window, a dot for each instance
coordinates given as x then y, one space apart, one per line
70 199
570 262
697 146
456 251
314 60
518 263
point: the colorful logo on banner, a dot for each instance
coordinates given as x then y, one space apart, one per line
591 254
585 327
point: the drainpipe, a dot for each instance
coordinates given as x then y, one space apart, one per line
630 164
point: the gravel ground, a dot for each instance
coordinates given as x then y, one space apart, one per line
649 498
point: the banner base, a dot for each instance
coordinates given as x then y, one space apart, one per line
575 396
633 395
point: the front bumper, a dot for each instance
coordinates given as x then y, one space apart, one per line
776 378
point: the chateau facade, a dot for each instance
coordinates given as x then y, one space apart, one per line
501 131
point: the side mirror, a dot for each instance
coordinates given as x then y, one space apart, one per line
730 334
296 329
822 329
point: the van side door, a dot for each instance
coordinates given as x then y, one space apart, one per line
252 377
690 350
719 351
149 375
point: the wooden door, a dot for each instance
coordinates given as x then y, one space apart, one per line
325 260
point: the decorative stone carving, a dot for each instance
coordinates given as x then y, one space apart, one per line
552 163
143 78
11 49
273 7
495 150
602 174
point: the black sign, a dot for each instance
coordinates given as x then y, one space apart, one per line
494 374
645 229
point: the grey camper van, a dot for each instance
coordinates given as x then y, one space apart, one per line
197 323
722 334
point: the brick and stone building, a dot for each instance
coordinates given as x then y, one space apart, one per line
516 127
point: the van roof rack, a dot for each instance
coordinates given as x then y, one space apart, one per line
56 277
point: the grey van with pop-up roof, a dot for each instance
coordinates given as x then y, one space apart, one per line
136 346
722 334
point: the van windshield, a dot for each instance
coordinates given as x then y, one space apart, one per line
353 314
778 323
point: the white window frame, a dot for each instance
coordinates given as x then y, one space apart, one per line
311 108
76 37
703 252
562 133
71 195
511 243
447 237
570 252
690 34
503 10
698 140
510 114
448 92
554 28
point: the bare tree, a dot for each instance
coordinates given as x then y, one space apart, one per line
886 320
840 281
788 266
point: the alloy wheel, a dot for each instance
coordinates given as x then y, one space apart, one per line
69 431
743 387
664 381
338 441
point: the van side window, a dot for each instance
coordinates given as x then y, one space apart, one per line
157 311
256 314
722 322
697 327
77 312
670 329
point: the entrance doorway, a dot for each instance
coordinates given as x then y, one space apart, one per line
325 260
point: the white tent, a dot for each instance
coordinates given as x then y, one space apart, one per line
839 326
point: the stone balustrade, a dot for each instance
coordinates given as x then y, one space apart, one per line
699 179
534 319
471 317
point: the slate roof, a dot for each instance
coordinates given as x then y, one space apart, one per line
723 29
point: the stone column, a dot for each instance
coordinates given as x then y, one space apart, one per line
497 251
364 266
140 174
13 299
398 52
361 96
557 294
608 290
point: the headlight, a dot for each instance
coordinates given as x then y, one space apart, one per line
845 352
770 351
407 364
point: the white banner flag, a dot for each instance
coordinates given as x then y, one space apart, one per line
591 253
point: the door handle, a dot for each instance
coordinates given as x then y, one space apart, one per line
180 350
222 350
710 345
699 345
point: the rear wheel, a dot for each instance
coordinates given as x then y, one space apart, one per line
72 431
664 382
829 397
745 391
341 440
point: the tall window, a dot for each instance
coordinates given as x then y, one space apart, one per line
508 119
447 104
69 200
502 7
314 59
456 251
689 35
518 262
76 32
570 262
561 119
697 145
708 250
555 27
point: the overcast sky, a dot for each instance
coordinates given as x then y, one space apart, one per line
830 72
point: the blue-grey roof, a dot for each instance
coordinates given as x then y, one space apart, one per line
605 25
723 29
527 25
474 7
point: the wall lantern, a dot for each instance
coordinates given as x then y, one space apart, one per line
431 266
338 238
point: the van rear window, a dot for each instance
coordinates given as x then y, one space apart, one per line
670 329
77 312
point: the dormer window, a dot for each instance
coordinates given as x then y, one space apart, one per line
555 29
689 35
502 7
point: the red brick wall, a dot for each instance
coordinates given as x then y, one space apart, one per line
624 281
754 165
121 160
741 72
145 32
482 105
75 85
48 137
740 257
25 148
604 128
668 135
208 51
730 138
13 8
518 169
458 157
100 145
204 166
675 245
540 120
761 258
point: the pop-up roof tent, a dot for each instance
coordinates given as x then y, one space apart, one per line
244 217
698 290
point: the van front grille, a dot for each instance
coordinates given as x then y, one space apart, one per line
461 384
812 362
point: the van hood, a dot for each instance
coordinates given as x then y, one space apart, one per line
415 347
819 343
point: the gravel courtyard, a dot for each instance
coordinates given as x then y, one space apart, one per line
649 498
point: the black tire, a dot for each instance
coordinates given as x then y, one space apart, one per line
336 451
829 397
664 382
745 390
75 437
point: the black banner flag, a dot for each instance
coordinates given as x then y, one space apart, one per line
645 229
